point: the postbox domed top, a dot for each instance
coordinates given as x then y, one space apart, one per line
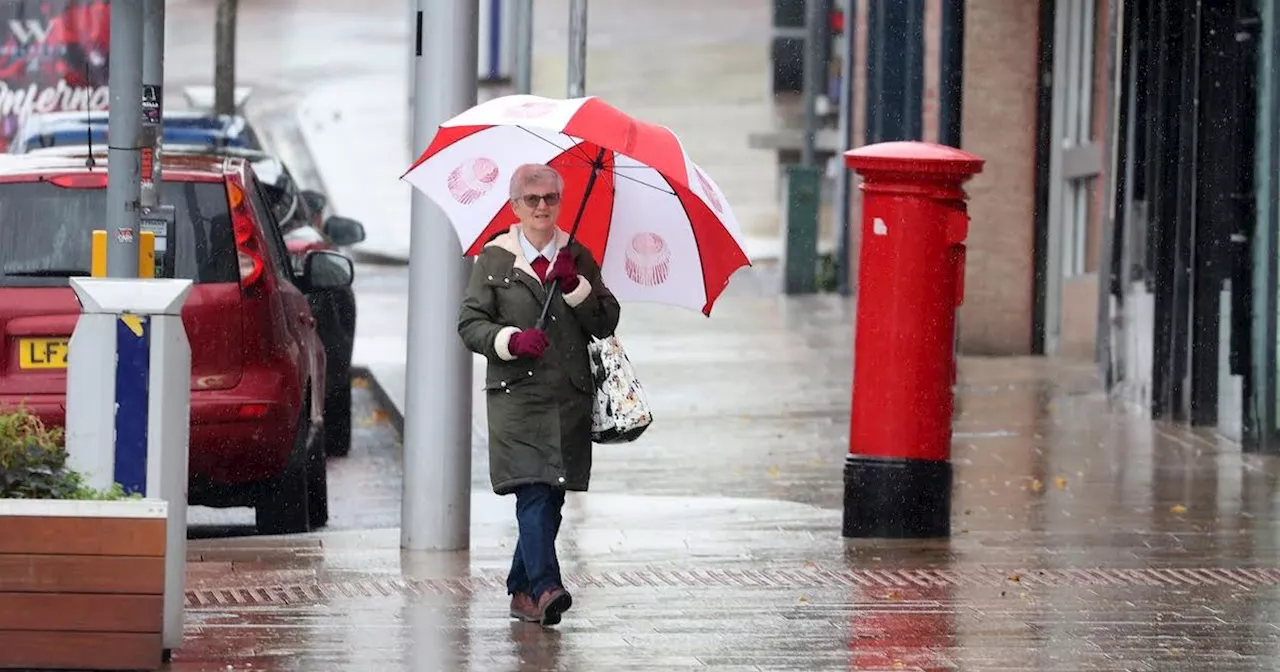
913 157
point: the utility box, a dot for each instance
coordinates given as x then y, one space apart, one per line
129 406
801 197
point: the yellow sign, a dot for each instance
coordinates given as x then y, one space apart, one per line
134 323
147 255
42 353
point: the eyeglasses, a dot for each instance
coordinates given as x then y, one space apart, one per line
531 200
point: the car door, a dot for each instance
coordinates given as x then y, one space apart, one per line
302 323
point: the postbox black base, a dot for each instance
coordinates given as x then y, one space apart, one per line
896 498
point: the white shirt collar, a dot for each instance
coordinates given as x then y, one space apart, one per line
531 252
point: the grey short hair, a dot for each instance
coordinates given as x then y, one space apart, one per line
531 173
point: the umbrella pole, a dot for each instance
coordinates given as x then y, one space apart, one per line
596 167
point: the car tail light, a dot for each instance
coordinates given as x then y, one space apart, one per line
80 180
248 245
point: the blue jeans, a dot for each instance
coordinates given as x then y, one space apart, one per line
535 569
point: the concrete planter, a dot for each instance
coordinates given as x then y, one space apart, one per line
81 584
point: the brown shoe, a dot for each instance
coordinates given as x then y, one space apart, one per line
554 602
523 608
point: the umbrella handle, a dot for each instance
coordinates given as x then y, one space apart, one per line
596 167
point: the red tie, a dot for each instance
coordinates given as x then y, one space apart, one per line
540 265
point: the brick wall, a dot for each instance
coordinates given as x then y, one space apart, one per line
999 124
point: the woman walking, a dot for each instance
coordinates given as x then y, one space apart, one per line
538 382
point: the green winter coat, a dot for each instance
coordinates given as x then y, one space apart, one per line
539 409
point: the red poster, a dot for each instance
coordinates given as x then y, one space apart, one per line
53 57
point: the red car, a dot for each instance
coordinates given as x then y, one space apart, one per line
258 367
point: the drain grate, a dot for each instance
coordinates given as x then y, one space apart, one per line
313 593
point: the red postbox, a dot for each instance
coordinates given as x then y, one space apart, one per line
910 283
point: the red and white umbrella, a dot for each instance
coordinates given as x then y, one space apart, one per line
659 227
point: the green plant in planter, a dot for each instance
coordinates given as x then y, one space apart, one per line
33 463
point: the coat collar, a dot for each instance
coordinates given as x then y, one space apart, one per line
510 241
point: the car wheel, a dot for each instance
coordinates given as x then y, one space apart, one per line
317 483
337 417
282 507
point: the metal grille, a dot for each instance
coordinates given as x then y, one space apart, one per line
311 593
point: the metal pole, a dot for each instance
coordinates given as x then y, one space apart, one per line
152 97
436 501
951 62
895 57
411 6
224 58
815 27
843 181
577 48
524 46
124 161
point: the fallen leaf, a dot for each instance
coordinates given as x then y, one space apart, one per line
894 595
360 383
1177 508
1015 577
1060 482
804 598
773 472
376 417
1036 485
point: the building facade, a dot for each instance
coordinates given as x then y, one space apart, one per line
1129 210
1033 81
1153 228
1191 279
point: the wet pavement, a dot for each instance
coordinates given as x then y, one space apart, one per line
1085 536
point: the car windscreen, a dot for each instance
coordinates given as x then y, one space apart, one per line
46 232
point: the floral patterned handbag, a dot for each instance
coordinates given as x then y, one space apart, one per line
621 412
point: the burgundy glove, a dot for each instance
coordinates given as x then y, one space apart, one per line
528 343
564 271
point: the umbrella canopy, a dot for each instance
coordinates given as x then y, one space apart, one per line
659 226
